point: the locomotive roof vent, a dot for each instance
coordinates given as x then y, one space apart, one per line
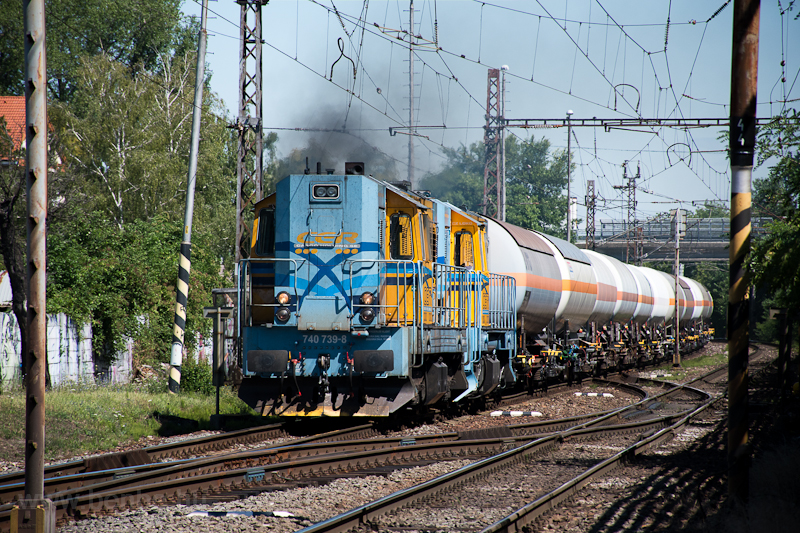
352 167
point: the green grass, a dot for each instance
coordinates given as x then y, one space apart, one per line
88 419
706 360
702 361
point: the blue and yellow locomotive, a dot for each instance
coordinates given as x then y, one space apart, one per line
360 298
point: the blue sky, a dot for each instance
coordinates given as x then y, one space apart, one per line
561 56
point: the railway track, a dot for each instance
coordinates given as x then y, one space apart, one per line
279 466
652 429
369 516
106 490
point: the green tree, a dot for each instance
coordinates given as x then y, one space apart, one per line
133 33
122 280
716 278
711 210
126 139
775 256
460 182
127 135
535 182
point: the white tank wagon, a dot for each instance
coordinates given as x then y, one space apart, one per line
580 304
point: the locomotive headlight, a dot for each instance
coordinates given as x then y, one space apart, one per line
283 298
282 314
367 314
321 192
332 192
367 298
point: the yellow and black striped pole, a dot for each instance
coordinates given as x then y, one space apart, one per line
744 73
184 262
179 329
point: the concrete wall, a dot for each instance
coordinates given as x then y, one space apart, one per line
69 353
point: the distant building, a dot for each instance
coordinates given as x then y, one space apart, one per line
12 109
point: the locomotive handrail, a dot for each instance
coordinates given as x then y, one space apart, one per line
452 311
248 290
501 311
401 273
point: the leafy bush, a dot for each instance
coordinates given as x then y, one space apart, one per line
196 377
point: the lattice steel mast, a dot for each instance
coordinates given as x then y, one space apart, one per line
249 172
493 187
411 96
591 207
632 248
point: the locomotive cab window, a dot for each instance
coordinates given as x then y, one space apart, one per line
464 256
429 231
401 237
265 245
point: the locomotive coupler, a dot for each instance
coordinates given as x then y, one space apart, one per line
324 362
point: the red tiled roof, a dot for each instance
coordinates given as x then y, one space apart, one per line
13 109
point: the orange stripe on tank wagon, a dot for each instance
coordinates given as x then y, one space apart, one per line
578 286
626 296
532 281
606 292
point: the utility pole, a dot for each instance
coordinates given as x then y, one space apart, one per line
742 136
502 147
569 175
185 257
249 127
492 203
680 228
411 96
34 512
591 206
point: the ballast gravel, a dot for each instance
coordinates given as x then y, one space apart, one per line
308 504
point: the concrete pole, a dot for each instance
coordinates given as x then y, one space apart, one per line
36 173
184 260
411 96
744 75
34 512
569 175
676 357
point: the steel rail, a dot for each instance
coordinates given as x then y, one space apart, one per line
160 451
10 491
76 503
138 489
368 512
82 476
524 516
520 519
372 510
116 495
